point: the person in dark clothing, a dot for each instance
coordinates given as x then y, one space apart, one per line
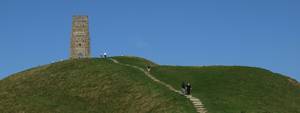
188 88
183 88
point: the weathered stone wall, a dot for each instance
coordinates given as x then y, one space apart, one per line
80 38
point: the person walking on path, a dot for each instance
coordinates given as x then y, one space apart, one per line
183 88
105 55
148 68
188 88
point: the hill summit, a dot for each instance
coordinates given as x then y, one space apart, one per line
100 85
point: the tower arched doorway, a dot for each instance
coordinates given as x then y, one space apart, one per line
80 55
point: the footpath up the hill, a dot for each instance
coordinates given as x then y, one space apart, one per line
196 102
230 89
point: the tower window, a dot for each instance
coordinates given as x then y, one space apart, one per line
79 44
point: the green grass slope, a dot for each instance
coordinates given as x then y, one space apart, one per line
87 86
234 89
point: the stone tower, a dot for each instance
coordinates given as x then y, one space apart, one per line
80 39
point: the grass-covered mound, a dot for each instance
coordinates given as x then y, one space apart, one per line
87 86
234 89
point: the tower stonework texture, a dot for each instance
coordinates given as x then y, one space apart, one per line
80 39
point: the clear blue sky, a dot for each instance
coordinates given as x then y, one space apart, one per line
261 33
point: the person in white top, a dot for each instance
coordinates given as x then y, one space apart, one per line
105 55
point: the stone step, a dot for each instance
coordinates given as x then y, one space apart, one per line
188 96
198 105
202 108
196 102
202 111
195 99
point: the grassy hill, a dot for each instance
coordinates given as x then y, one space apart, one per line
232 89
99 85
87 86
